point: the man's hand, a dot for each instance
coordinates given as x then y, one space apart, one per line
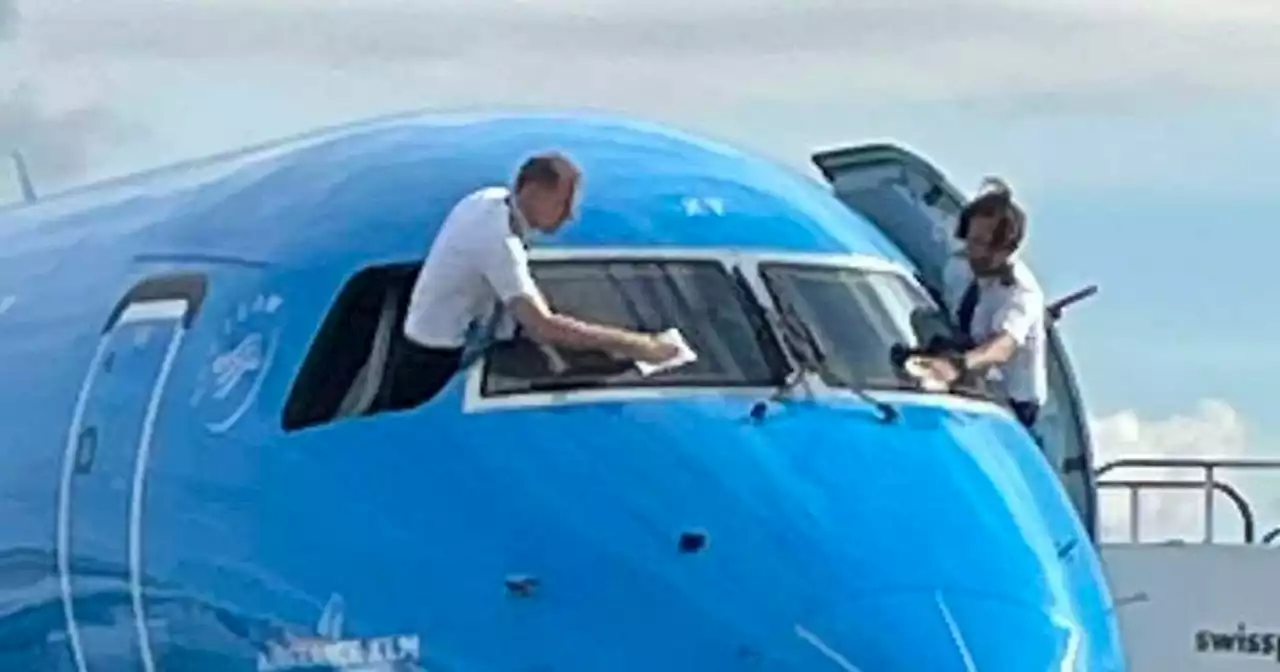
939 368
563 331
653 351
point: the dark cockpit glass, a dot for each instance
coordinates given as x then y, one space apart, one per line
857 318
710 305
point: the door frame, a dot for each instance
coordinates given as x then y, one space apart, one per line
173 296
927 246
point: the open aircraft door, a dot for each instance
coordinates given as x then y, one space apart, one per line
906 197
108 441
916 207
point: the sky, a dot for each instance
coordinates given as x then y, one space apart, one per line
1138 135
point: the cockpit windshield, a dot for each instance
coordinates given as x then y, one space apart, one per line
856 317
710 305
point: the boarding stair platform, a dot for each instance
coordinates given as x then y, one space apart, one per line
1207 603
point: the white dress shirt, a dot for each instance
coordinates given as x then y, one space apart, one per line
476 262
1018 310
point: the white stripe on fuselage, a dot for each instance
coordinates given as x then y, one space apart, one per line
474 402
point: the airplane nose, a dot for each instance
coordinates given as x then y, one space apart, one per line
943 631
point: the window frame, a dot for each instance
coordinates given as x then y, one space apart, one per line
766 266
350 291
484 365
735 262
748 263
1078 470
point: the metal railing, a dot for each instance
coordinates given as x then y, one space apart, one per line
1135 488
1209 484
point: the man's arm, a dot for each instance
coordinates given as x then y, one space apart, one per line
507 271
547 327
1015 322
995 351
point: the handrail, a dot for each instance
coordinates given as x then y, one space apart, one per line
1270 536
1135 487
1209 484
1188 462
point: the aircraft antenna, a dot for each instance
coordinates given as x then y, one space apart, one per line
24 178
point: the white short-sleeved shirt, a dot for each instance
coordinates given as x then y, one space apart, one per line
1018 310
478 260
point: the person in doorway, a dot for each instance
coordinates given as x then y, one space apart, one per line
997 304
478 261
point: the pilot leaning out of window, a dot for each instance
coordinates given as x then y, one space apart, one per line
477 260
997 303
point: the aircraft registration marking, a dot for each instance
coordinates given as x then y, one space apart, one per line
327 648
350 655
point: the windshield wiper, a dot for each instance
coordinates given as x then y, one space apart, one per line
803 344
762 329
799 339
814 358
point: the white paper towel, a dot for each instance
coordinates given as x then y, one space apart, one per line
685 355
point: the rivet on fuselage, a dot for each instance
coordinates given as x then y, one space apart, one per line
693 541
521 585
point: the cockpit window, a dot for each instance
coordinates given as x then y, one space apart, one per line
711 306
856 317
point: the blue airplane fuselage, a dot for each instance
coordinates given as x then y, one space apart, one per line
159 515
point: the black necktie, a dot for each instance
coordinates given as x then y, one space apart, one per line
517 222
967 305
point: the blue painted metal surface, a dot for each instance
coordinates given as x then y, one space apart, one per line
202 536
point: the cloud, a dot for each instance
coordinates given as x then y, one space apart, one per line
55 141
8 18
930 50
1212 429
1037 87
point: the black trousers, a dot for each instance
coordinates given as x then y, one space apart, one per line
418 373
1027 413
